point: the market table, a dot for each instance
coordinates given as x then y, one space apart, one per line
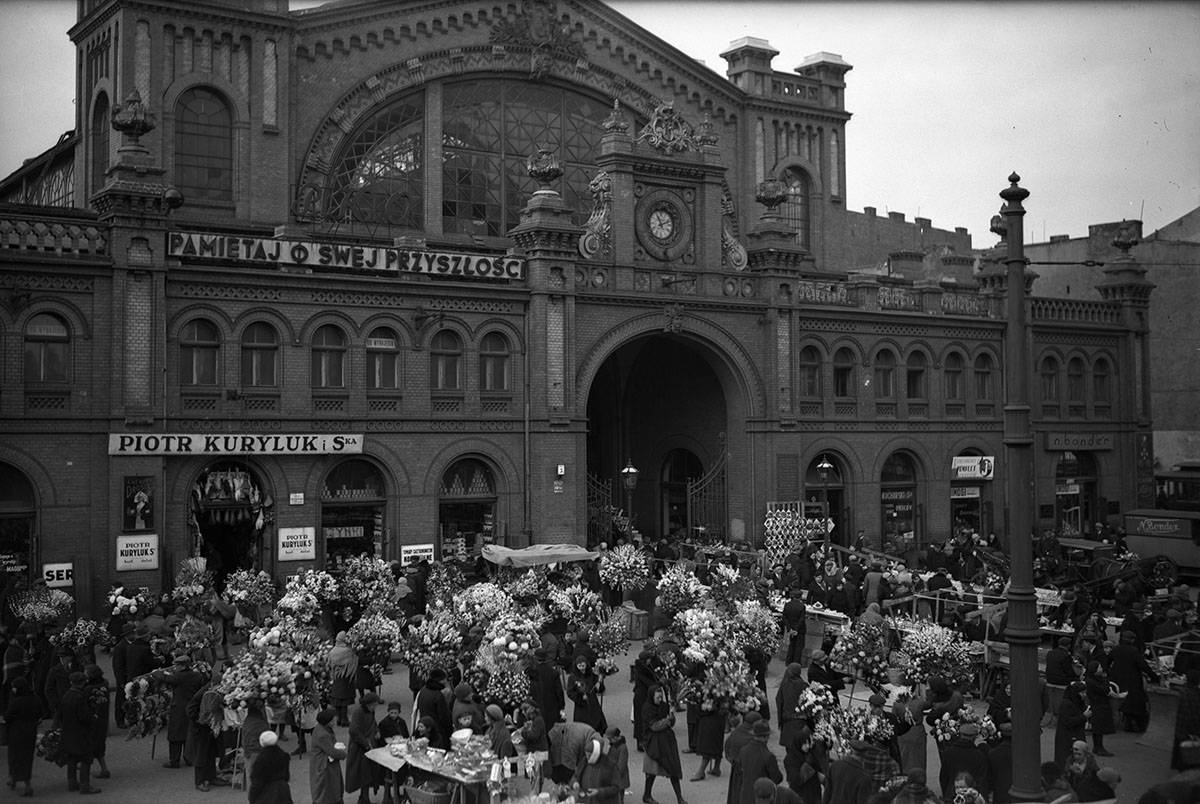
459 771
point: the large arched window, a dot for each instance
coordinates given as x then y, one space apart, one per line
915 385
445 361
810 372
885 374
952 375
1048 370
843 373
383 359
100 140
199 346
380 175
490 127
204 147
47 350
260 353
494 363
985 387
1101 385
328 358
797 208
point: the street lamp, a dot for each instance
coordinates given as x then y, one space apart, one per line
823 470
629 477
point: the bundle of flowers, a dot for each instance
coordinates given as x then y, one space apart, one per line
306 592
816 701
609 639
374 638
193 587
369 583
126 604
579 606
509 640
723 678
445 582
968 795
147 706
432 644
892 788
729 586
530 584
480 605
42 607
821 555
284 665
49 746
679 589
932 650
949 725
625 567
757 628
776 601
863 650
725 685
840 727
248 590
194 636
82 636
991 582
507 687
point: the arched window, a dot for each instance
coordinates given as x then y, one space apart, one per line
490 127
843 373
199 346
260 351
797 208
1101 389
47 350
1049 375
204 147
915 386
952 375
383 359
898 496
494 363
445 361
380 175
1075 375
810 372
885 375
985 389
328 357
101 126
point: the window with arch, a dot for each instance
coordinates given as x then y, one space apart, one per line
797 208
380 174
952 377
47 350
383 359
199 348
885 374
1075 375
328 357
495 364
1048 371
810 372
1101 381
490 127
204 146
101 126
843 373
898 497
260 356
985 384
445 361
915 385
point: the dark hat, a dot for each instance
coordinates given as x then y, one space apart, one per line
93 672
764 789
128 628
877 700
438 674
142 630
494 712
761 728
395 705
612 733
368 698
326 716
1064 642
752 717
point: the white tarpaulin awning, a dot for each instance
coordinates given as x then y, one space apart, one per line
535 555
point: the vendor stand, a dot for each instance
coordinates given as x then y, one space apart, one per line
465 770
536 555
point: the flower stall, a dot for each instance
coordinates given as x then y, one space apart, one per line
625 567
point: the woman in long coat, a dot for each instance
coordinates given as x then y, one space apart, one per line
98 694
710 739
1072 718
325 767
662 750
1128 670
914 743
1098 699
21 716
270 775
343 665
583 688
734 743
1187 718
361 772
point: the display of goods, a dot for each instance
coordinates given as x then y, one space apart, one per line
375 637
369 584
446 581
147 706
193 587
816 700
82 636
285 664
841 726
679 589
862 651
523 584
195 637
249 590
480 604
578 605
756 626
931 650
306 592
950 725
625 567
610 640
728 586
717 675
432 644
124 603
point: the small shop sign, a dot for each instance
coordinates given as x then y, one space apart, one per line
57 576
972 467
138 552
413 553
297 544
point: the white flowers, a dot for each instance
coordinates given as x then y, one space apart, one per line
625 567
932 650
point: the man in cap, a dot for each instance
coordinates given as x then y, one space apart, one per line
1060 672
795 619
75 714
1140 623
184 682
547 689
820 673
756 762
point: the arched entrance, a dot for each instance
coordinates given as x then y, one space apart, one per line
230 511
18 516
352 512
1075 493
898 503
829 487
466 509
659 402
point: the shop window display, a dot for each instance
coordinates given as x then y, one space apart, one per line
352 512
230 511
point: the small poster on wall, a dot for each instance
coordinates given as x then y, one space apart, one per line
137 552
297 544
139 503
413 553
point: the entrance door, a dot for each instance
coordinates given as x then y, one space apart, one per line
466 510
17 517
228 513
679 467
352 512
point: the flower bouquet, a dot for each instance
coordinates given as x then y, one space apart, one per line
816 701
840 727
193 587
480 604
528 585
721 677
445 583
124 604
625 567
509 639
579 606
679 589
932 650
729 586
42 607
863 650
967 795
82 636
285 664
431 645
369 584
949 725
756 627
306 592
609 640
249 591
147 706
49 746
194 636
374 638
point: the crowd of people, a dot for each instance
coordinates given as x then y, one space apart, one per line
1094 682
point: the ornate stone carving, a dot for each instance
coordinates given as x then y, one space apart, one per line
668 131
133 120
733 253
537 28
597 232
674 318
705 133
543 167
616 121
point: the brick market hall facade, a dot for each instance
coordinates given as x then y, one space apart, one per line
408 277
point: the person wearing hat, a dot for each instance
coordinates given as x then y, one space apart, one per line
1171 625
58 678
431 701
547 689
21 715
270 773
819 672
739 736
915 790
140 657
1073 714
325 768
498 734
343 666
756 761
710 739
767 792
583 687
617 751
662 750
1140 622
120 668
392 727
1129 670
595 777
184 682
75 716
535 738
962 755
361 773
204 709
1099 698
98 695
848 779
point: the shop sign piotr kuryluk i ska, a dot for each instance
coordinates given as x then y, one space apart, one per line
234 444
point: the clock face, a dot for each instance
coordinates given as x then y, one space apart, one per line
661 224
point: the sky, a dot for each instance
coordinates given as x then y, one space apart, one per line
1096 105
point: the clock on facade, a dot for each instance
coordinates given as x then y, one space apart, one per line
664 225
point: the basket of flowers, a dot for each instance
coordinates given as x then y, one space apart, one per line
42 606
609 640
193 587
147 706
966 719
368 584
306 593
250 591
815 702
480 604
578 605
719 677
931 650
729 586
49 746
756 627
625 567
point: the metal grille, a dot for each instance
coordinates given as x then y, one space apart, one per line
261 404
45 402
447 405
707 500
384 406
198 403
885 409
845 409
918 409
329 405
600 508
495 406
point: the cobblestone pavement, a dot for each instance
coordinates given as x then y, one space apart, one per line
138 778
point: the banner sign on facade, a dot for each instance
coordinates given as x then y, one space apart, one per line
1157 526
57 576
1061 442
311 254
297 544
964 492
972 467
137 552
412 553
234 444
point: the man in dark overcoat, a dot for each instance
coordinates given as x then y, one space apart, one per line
757 762
75 715
120 666
184 683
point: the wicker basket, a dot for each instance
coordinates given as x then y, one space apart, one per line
418 795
